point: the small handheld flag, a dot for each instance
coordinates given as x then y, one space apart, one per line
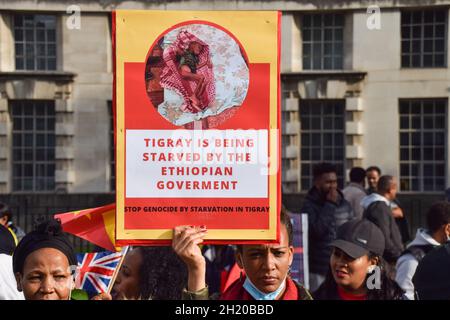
97 270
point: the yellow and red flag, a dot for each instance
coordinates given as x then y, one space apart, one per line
96 225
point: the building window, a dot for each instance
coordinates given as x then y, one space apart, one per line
35 41
33 145
112 155
423 132
322 137
323 37
424 38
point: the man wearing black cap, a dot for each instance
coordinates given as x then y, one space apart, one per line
432 277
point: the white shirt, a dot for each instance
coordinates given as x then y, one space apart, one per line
8 284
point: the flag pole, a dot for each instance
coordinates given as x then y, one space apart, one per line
116 271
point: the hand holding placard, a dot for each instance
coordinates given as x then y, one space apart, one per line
185 243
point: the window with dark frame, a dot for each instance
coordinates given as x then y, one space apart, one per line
322 138
112 156
424 38
323 41
35 41
423 134
33 145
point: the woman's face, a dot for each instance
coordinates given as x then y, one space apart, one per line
350 274
128 278
195 47
267 265
46 276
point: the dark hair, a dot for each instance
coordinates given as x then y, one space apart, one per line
285 219
374 168
389 289
47 233
5 211
438 215
322 168
384 183
162 274
7 242
357 175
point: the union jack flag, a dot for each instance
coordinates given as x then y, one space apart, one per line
96 270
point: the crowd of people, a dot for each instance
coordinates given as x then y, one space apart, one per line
363 232
356 251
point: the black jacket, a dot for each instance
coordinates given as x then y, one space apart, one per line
380 214
324 218
390 291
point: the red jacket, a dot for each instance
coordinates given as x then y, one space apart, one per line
293 291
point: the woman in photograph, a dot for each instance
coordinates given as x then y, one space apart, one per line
189 72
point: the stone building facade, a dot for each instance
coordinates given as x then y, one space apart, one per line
358 89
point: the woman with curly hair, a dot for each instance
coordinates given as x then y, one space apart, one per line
154 273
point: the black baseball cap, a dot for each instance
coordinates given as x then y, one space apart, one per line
358 237
432 277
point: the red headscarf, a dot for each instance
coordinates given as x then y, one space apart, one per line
171 78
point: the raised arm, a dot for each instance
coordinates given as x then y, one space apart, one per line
185 243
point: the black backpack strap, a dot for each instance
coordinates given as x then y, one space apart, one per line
418 251
368 209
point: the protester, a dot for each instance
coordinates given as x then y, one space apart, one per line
356 267
7 242
42 263
437 233
266 267
354 192
373 174
8 285
377 210
432 278
327 210
6 220
155 273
